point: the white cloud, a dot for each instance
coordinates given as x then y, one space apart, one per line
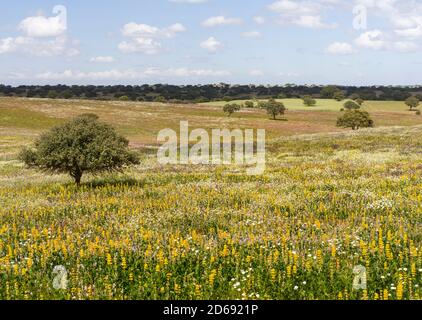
415 32
374 39
290 74
102 59
212 45
42 48
43 27
251 34
79 75
185 72
129 74
144 38
259 20
143 30
142 45
42 36
256 73
313 22
306 14
220 21
340 48
405 46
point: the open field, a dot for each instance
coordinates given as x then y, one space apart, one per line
330 200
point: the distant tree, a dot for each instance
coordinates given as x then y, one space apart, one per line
274 108
160 99
351 105
249 104
309 101
52 94
227 99
67 94
354 96
328 92
81 145
339 95
124 98
360 101
355 119
412 103
262 104
231 108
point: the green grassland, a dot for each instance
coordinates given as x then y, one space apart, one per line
329 200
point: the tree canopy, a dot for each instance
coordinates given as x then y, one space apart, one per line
81 145
274 108
355 119
412 102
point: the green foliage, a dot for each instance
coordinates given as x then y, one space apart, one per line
249 104
67 94
52 94
355 119
160 99
360 101
231 108
81 145
412 102
328 92
273 108
339 95
309 101
124 98
351 105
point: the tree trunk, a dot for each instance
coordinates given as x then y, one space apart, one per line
77 176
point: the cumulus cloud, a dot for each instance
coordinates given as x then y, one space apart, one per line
340 48
212 45
405 17
102 59
42 36
42 48
251 34
256 73
306 14
220 21
143 45
43 26
129 74
145 38
374 39
259 20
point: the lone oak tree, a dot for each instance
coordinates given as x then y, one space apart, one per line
412 102
355 119
81 145
274 108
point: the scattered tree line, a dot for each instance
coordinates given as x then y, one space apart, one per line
212 92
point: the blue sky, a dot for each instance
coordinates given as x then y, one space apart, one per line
210 41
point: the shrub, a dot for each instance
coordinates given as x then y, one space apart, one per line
309 101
